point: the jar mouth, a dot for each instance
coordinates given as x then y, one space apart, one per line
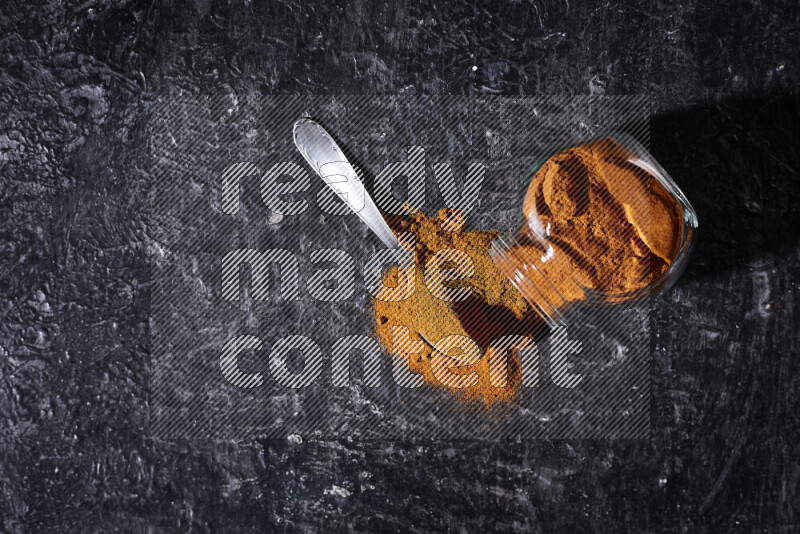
545 297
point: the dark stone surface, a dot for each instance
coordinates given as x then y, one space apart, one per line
76 81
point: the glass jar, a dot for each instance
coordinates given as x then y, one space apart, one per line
602 223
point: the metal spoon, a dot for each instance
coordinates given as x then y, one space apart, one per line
327 159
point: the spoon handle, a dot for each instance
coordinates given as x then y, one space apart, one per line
329 162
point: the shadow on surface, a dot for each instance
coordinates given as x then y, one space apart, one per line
739 164
486 324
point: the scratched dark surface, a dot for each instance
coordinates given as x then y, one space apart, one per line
76 83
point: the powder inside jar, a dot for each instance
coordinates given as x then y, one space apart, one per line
598 221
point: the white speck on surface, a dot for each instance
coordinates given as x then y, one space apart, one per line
338 491
761 293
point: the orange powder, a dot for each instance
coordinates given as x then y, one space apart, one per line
494 309
609 227
597 225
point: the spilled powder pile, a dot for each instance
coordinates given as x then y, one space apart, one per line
494 309
598 227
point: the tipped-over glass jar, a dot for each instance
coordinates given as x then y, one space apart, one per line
603 223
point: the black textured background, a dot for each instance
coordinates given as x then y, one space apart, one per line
76 80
